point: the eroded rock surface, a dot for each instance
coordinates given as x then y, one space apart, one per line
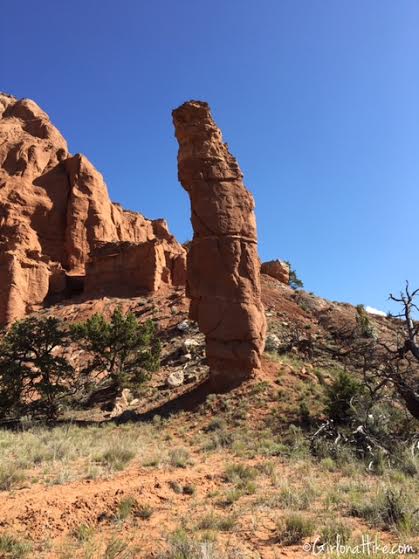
223 269
277 269
55 212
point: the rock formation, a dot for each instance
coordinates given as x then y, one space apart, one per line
223 268
277 269
55 213
148 265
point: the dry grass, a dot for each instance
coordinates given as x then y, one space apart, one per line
65 454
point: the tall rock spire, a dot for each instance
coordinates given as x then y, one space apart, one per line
223 270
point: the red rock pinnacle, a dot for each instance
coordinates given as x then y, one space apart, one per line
223 270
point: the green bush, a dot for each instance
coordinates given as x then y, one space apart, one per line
294 280
389 509
339 397
363 322
34 372
122 347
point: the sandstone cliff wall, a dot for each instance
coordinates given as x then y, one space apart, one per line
54 211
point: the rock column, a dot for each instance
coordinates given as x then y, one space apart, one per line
223 269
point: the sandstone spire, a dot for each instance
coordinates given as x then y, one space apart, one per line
223 270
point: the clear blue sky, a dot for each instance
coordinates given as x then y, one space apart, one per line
318 100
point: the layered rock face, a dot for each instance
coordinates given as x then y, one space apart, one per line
116 268
54 213
223 268
277 269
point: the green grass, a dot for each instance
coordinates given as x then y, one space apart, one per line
334 532
84 533
239 473
10 476
293 529
117 457
117 549
12 547
179 458
216 522
62 454
126 508
389 509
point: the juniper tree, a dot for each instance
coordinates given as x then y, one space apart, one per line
34 372
121 350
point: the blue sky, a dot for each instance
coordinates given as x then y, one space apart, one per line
318 100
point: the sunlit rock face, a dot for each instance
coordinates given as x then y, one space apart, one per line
223 267
54 213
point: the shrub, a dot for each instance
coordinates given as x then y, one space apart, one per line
214 522
239 473
144 512
365 328
124 348
389 509
294 281
117 456
293 529
217 423
293 498
117 549
182 546
179 457
335 533
83 533
34 374
222 438
339 396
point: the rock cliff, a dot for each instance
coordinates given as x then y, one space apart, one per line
223 269
55 213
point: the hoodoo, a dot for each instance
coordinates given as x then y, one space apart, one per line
223 267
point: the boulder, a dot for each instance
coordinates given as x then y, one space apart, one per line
273 343
277 269
175 379
223 267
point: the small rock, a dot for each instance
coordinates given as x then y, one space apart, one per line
186 357
126 396
190 345
272 342
184 326
175 379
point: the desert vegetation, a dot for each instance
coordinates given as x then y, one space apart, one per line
37 377
318 449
